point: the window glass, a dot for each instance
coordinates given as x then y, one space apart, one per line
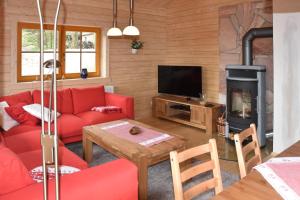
78 47
30 64
30 40
73 41
89 61
85 44
72 62
48 40
88 41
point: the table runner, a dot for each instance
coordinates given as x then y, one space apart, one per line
147 137
283 174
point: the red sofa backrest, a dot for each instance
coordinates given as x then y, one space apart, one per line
69 100
84 99
22 97
64 100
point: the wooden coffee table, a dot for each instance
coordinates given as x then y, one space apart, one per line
142 156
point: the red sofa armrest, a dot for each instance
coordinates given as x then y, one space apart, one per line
125 102
23 142
112 180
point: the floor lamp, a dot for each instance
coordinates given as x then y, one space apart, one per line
49 139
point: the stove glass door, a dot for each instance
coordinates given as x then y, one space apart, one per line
241 103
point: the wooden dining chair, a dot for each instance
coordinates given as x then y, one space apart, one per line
248 155
180 176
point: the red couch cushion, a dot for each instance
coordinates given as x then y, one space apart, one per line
116 180
2 144
13 173
20 115
68 125
22 128
14 99
32 159
84 99
94 117
27 141
64 100
67 101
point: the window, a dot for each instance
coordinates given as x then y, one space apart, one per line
78 47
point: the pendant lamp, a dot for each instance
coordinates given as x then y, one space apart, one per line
131 30
114 30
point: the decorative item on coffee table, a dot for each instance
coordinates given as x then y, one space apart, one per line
135 130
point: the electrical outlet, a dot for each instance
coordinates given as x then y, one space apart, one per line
109 88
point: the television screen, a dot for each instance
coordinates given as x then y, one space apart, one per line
180 80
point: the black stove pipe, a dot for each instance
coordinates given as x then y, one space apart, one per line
248 42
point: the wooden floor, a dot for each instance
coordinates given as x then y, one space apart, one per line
197 137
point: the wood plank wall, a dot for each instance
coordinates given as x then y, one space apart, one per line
287 6
193 29
174 31
131 74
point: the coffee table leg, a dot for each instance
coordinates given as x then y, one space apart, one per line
143 177
87 148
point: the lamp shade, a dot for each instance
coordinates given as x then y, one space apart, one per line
114 31
131 31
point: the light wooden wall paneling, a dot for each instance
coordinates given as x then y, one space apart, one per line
174 32
193 29
128 72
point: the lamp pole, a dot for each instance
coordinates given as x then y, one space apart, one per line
55 104
49 141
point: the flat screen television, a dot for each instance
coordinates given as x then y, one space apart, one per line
180 80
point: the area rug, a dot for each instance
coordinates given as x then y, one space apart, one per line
160 186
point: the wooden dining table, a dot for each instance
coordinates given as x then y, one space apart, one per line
254 186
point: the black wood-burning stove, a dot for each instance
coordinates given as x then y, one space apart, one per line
246 88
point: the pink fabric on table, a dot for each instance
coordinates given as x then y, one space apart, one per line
147 137
282 173
289 173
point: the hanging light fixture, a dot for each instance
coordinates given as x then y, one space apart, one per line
131 30
114 30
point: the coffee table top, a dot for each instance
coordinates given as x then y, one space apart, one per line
125 148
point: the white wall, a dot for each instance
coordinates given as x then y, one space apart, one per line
286 79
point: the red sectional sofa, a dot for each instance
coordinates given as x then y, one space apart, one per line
20 150
75 106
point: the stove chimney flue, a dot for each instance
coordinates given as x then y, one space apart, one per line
248 42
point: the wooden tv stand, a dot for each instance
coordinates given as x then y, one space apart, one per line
189 112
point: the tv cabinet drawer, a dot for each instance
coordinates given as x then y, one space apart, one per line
198 115
160 107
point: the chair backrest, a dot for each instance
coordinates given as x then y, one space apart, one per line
248 155
181 176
